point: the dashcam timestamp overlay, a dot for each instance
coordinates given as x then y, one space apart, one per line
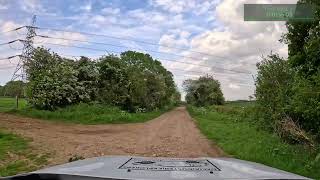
279 12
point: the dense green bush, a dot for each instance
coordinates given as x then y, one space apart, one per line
56 88
88 76
273 89
204 91
287 91
284 95
133 81
305 103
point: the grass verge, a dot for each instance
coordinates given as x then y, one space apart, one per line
242 139
16 156
81 113
90 114
9 103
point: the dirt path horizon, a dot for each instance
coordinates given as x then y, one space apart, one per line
173 134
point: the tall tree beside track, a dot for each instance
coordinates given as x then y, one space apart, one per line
289 89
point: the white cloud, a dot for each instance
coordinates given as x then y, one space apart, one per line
32 6
235 45
109 10
234 86
86 7
147 17
198 7
3 7
7 25
177 38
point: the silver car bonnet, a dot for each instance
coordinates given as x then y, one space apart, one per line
124 167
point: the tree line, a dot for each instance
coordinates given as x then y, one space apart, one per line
288 90
133 81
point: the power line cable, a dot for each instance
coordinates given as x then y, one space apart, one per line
121 46
10 42
10 57
134 40
163 59
103 50
93 42
200 73
11 30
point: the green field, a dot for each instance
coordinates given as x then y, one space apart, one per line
16 156
8 104
81 113
233 130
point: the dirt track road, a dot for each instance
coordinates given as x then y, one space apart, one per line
173 134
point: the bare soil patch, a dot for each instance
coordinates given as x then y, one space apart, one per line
173 134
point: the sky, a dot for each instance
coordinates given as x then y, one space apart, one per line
208 36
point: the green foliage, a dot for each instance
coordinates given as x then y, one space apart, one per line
134 81
305 103
88 76
273 89
242 138
13 89
303 42
204 91
55 86
287 91
283 94
113 80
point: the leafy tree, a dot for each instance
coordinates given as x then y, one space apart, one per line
282 94
288 89
203 91
303 37
88 75
305 103
113 81
1 91
135 81
13 89
273 88
53 82
42 60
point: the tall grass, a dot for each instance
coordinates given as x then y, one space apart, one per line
90 114
241 138
81 113
9 103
